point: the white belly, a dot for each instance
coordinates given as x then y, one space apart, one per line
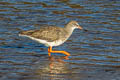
55 43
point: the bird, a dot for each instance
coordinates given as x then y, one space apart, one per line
52 35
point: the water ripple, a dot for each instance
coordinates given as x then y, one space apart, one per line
94 53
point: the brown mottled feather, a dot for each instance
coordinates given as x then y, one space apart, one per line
49 34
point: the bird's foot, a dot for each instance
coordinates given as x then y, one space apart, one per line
51 51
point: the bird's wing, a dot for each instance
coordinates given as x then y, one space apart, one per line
46 33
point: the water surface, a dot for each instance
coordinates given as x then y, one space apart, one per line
94 53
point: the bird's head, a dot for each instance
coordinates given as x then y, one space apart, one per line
74 25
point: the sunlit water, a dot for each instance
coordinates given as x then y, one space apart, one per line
95 53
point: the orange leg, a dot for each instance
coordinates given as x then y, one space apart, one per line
51 51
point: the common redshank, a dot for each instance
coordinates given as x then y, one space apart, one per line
52 35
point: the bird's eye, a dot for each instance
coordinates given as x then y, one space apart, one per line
75 24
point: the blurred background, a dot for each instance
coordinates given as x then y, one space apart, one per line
94 53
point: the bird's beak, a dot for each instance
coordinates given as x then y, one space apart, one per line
80 27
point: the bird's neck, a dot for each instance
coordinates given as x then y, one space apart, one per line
69 29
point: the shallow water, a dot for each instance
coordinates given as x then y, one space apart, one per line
94 53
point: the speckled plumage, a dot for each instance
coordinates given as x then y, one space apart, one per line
51 35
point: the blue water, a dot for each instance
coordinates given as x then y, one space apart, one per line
94 53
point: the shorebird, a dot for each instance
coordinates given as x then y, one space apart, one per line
52 35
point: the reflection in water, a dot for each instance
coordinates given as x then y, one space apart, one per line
95 54
55 69
57 66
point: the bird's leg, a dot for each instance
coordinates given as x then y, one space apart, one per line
51 51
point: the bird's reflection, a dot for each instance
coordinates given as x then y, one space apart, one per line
56 68
58 65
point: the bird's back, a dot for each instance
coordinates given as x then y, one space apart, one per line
50 33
